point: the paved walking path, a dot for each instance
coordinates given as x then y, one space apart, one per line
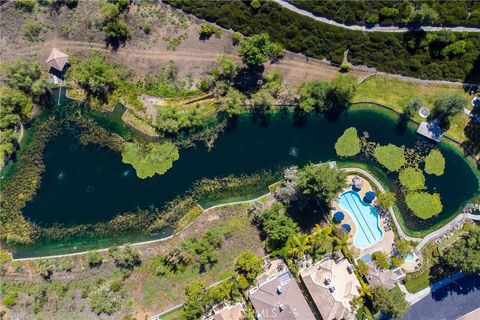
375 28
445 229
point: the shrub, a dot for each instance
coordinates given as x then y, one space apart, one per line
25 5
32 29
236 38
207 30
93 259
150 159
390 156
435 163
412 179
348 145
424 205
345 67
125 258
249 265
9 300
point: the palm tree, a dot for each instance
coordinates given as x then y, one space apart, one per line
298 246
320 237
341 243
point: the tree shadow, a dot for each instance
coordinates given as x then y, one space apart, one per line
299 118
305 213
462 286
249 79
402 123
473 76
259 114
472 132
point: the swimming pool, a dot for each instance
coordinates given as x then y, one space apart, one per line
410 257
365 217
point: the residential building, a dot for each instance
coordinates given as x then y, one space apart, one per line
279 297
332 286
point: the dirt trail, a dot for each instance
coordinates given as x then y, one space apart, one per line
296 67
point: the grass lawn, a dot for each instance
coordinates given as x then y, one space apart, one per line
174 315
396 93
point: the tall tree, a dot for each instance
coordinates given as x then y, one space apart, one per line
249 265
321 182
391 302
258 49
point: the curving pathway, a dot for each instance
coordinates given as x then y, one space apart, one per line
375 28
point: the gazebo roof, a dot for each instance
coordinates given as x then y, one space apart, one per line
338 216
57 59
370 196
357 182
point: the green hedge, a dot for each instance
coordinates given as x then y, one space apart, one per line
405 53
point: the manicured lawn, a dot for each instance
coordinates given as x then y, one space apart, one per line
174 315
397 93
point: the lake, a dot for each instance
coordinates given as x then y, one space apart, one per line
87 184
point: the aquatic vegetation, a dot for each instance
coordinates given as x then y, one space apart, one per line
435 163
390 156
348 145
412 179
150 159
423 204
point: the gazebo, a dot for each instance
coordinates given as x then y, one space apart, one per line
357 183
57 61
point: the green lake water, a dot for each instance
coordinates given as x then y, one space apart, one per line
87 184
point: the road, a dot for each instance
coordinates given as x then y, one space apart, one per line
452 301
375 28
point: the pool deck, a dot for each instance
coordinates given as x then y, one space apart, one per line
384 245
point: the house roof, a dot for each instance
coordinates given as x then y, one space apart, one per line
336 304
268 300
380 277
57 59
230 313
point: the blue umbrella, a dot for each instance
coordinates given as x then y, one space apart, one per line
338 216
370 196
347 227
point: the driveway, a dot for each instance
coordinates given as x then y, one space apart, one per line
450 302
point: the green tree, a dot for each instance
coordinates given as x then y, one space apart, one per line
117 32
25 5
277 227
321 182
458 48
446 106
258 49
249 265
297 246
362 267
321 239
391 302
234 101
194 306
341 92
150 159
386 200
313 96
95 75
435 163
464 256
255 4
109 10
227 69
423 16
423 204
381 259
390 156
412 179
411 108
403 247
348 144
